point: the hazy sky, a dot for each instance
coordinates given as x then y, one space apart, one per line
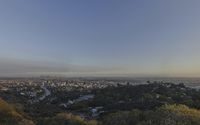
100 37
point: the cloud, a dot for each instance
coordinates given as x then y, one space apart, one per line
23 68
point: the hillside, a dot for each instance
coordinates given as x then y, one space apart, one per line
165 115
8 115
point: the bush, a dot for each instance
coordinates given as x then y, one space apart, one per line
66 119
8 115
165 115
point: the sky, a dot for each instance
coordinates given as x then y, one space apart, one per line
141 38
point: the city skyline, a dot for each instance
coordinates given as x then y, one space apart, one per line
100 38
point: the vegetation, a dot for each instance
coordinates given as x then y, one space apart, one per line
165 115
8 115
145 97
66 119
150 104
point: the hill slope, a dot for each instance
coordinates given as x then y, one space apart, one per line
9 116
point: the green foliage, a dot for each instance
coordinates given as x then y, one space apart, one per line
153 104
66 119
8 115
123 118
175 115
165 115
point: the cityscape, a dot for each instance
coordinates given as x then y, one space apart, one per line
99 62
88 98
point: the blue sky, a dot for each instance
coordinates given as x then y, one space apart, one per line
100 37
